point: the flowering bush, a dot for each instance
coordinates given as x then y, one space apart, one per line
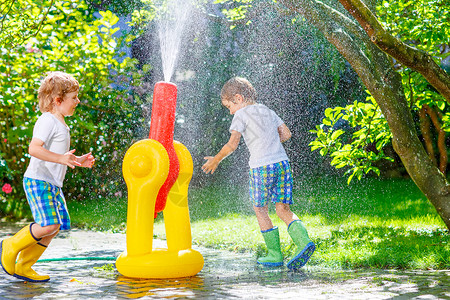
7 188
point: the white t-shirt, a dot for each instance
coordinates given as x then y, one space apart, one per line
56 138
259 126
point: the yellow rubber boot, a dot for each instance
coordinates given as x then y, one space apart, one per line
27 258
10 248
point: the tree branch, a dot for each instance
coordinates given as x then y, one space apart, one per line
426 133
409 56
12 36
443 157
40 24
6 14
338 30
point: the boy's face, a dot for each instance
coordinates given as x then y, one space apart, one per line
67 106
232 104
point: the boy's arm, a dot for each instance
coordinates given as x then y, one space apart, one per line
213 162
284 133
37 150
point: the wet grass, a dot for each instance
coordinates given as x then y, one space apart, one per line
369 224
101 215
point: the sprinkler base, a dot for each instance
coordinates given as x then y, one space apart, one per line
161 263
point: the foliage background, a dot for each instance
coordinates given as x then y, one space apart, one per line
78 42
296 72
366 142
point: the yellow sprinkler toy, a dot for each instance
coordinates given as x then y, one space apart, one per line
157 172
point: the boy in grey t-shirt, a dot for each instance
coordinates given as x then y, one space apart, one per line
270 172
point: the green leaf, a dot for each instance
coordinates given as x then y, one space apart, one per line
323 151
350 178
336 134
326 122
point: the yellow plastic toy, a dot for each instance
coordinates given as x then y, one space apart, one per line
145 169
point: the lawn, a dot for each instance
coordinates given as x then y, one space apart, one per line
370 224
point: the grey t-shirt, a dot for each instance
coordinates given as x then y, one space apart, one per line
259 126
56 138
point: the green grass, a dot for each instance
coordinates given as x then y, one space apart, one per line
102 215
369 224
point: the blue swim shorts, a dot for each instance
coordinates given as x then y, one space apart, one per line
272 182
47 203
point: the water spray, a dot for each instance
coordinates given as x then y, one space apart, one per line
171 24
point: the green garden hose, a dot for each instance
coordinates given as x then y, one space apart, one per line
77 258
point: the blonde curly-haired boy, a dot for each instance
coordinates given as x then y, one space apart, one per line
43 179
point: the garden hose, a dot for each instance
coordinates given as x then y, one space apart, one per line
77 258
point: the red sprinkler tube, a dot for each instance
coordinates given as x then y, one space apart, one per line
161 129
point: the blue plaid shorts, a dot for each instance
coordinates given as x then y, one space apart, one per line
47 203
272 182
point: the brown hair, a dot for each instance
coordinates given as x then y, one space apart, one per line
56 84
241 86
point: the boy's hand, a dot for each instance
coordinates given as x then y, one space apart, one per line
213 162
210 165
87 160
70 160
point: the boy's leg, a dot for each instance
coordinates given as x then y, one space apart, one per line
282 196
281 192
262 215
46 233
10 247
29 256
284 213
298 233
271 237
48 206
260 180
305 247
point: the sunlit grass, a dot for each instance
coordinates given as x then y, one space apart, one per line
369 224
106 214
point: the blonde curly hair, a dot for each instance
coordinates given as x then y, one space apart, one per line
56 84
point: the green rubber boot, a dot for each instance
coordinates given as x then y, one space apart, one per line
274 258
305 247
